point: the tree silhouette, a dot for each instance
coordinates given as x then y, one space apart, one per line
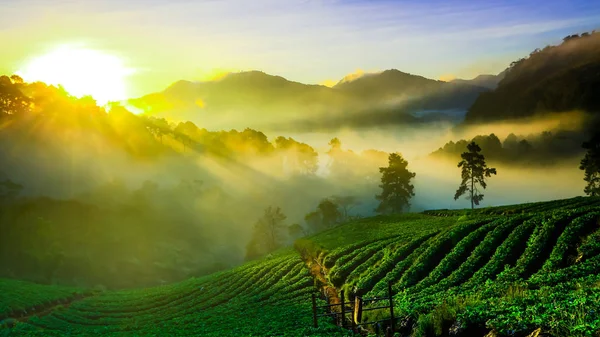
345 203
591 165
395 184
295 231
474 172
330 214
12 100
267 235
313 221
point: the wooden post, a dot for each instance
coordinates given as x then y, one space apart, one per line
314 307
391 307
343 310
357 315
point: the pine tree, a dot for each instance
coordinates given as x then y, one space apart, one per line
395 184
591 165
474 172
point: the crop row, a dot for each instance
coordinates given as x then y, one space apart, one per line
344 266
540 244
19 298
376 272
459 272
440 246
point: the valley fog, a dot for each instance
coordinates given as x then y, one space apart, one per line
133 196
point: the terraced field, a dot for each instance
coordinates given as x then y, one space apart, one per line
510 269
266 297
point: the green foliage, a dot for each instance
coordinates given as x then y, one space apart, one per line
268 233
395 184
591 166
264 297
19 298
508 273
474 172
308 249
514 257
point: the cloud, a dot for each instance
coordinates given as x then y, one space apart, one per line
301 40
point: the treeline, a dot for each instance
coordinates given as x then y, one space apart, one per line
270 231
553 79
545 148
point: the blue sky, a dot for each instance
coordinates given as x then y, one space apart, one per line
308 41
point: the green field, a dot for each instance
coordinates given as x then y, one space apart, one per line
511 269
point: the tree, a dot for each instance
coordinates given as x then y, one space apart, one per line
345 203
299 157
474 172
268 233
591 165
395 184
12 100
330 214
295 231
313 220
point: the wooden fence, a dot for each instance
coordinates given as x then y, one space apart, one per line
356 309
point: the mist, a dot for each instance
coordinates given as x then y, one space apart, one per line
140 201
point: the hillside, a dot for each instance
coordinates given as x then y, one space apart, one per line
510 269
264 101
559 78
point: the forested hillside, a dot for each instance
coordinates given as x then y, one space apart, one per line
562 78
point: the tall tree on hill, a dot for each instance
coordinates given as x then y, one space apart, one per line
474 172
591 165
395 184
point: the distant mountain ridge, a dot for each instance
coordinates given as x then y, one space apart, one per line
554 79
485 80
261 99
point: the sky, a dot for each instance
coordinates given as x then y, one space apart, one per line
309 41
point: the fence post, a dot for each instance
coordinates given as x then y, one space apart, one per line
357 314
314 307
343 310
391 307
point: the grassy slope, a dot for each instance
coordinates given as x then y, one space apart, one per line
511 268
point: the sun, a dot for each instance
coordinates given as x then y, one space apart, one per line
81 72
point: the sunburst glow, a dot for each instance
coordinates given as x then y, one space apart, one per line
81 71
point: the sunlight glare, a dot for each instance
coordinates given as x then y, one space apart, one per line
81 72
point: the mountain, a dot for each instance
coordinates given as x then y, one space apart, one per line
484 81
554 79
413 91
256 99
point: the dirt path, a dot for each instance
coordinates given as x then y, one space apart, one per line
319 272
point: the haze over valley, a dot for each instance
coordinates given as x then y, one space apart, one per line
168 160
